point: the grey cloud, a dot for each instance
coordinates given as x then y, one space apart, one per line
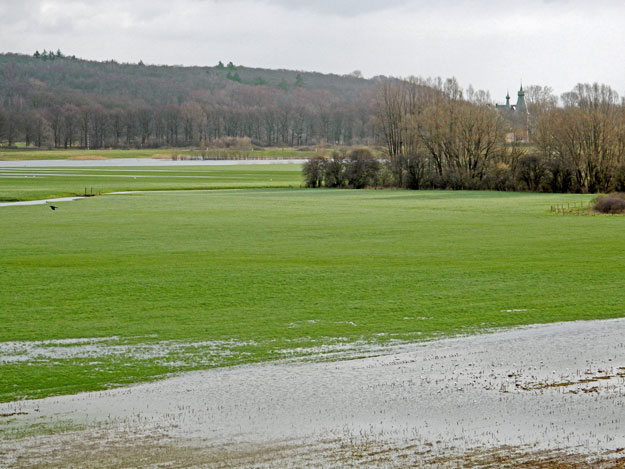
339 7
489 43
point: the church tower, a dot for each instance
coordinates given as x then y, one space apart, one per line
520 104
508 100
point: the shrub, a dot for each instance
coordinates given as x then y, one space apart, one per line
613 203
314 170
619 178
361 169
499 177
531 172
233 143
414 171
334 175
560 175
385 176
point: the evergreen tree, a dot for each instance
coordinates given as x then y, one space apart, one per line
299 81
234 77
36 54
220 65
231 66
283 85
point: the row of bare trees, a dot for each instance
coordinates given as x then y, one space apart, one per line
437 136
434 137
584 140
188 124
78 103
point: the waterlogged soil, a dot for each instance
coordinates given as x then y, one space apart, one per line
540 396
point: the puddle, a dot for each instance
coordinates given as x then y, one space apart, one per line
65 349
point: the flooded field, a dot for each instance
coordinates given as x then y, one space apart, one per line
39 202
524 396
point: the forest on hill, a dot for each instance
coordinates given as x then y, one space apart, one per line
50 100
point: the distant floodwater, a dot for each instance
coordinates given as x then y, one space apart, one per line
139 162
39 202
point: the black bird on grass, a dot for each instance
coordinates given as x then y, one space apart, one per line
53 207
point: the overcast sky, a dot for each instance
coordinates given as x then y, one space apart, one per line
487 43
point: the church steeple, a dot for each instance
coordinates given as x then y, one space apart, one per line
508 99
520 104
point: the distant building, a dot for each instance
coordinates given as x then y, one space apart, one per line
520 106
518 115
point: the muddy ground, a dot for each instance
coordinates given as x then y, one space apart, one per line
539 396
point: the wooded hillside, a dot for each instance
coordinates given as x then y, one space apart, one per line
57 101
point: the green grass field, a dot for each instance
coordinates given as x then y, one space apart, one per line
174 281
39 183
23 153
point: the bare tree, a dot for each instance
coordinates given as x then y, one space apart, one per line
589 132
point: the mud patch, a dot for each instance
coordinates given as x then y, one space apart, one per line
121 450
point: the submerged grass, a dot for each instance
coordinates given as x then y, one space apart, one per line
278 269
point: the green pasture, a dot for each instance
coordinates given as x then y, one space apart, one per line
39 183
25 153
174 281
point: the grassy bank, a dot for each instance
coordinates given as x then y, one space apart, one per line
187 280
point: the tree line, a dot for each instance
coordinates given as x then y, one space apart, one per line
433 133
189 124
50 100
438 136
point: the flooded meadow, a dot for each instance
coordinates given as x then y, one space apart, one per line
526 395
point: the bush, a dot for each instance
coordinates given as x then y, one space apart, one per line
531 172
619 179
498 177
314 170
613 203
385 176
358 169
232 143
361 169
334 175
560 175
414 171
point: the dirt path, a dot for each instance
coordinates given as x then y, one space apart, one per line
525 396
